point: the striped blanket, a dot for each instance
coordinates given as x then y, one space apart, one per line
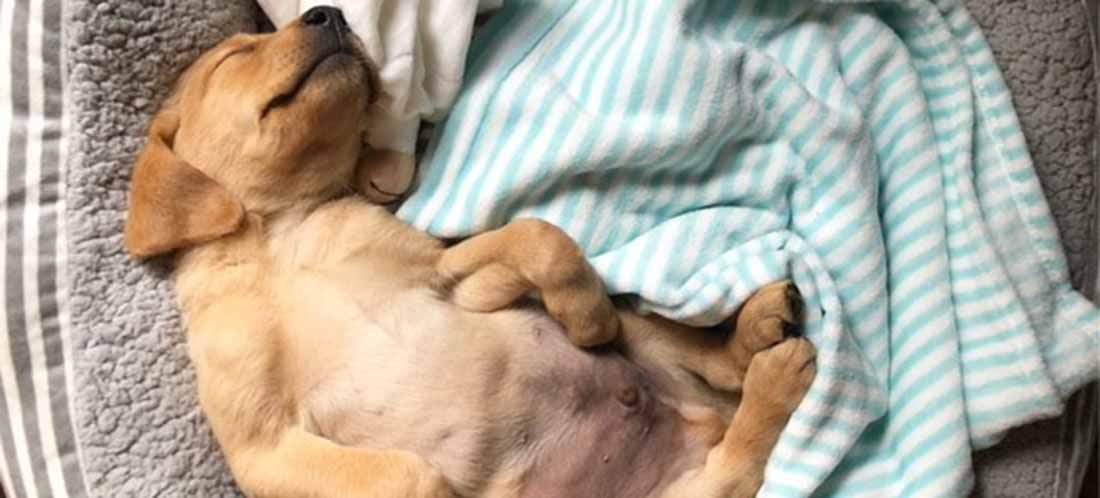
870 151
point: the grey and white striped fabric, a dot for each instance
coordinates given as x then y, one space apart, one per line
39 456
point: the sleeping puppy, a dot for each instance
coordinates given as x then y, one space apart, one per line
341 353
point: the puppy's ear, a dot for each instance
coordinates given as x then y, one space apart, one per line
172 204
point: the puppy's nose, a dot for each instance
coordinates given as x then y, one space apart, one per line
325 16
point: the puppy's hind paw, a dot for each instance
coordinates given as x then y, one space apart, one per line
780 376
770 316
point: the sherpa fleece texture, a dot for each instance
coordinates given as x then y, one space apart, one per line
140 430
138 424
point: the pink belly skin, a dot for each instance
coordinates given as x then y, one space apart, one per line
601 428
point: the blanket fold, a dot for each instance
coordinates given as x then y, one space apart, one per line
870 151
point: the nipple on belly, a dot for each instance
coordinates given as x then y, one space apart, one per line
628 396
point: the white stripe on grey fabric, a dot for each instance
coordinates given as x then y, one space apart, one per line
13 433
23 346
63 467
7 475
36 214
36 429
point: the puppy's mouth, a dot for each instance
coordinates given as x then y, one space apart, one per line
284 98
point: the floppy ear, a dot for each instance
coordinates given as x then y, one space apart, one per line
172 204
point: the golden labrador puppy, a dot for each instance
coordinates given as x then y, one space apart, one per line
341 353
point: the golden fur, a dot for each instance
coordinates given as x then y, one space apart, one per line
340 353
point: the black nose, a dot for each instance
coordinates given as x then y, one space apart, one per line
324 16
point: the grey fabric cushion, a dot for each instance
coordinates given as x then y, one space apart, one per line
1046 52
142 437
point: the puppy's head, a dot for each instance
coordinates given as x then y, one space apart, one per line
259 123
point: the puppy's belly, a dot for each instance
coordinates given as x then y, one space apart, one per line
602 430
503 405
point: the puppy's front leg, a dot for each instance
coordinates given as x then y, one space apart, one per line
492 270
302 465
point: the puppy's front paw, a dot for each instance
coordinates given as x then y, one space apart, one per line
779 377
588 315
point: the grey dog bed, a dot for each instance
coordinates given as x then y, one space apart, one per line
135 414
1047 53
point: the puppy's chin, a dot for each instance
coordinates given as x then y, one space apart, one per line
341 65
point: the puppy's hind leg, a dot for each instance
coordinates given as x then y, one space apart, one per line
302 465
775 383
768 317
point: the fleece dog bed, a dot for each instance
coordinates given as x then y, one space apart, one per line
97 393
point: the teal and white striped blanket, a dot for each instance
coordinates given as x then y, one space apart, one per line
698 150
